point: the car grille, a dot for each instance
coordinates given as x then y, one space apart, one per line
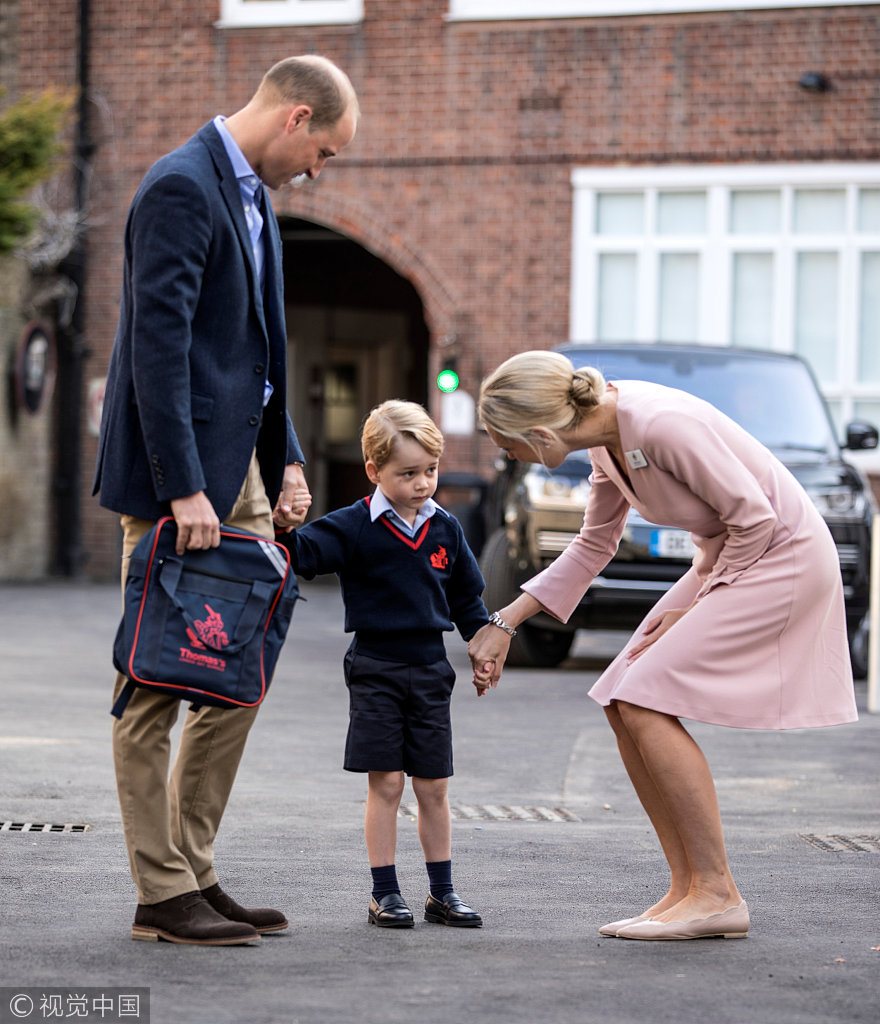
848 554
552 541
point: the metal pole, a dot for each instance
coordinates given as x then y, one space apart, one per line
72 351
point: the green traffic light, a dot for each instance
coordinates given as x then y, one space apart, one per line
447 380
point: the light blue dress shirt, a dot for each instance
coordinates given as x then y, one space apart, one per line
251 188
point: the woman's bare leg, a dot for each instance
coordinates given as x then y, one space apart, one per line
675 786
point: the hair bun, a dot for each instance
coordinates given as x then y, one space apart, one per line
587 387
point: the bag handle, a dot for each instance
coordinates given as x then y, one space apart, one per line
255 607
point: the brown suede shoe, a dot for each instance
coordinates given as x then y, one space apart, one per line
262 918
190 919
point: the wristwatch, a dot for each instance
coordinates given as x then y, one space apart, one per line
496 620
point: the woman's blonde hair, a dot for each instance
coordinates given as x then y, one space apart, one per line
538 389
394 419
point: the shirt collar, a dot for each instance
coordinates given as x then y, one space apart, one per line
246 175
381 506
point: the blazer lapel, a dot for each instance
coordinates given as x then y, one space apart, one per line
231 193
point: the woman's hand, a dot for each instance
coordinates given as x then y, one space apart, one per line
487 650
654 629
490 645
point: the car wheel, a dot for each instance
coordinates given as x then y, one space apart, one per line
543 648
858 649
533 646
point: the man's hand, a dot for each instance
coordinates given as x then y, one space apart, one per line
198 527
294 501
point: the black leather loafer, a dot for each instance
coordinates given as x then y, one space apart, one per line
189 919
390 912
452 910
263 918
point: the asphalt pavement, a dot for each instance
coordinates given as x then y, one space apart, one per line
548 844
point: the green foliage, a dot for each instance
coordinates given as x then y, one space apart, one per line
29 143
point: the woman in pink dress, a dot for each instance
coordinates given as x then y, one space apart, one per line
753 635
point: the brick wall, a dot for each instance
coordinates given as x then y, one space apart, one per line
460 174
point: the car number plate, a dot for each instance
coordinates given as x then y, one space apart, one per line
671 544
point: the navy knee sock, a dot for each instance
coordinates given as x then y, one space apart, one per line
439 877
384 881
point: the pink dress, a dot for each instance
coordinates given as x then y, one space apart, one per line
765 646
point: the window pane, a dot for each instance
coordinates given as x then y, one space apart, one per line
869 318
867 411
678 301
816 312
752 305
620 213
755 212
616 316
819 211
869 209
681 213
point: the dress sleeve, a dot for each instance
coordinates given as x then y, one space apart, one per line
697 455
564 582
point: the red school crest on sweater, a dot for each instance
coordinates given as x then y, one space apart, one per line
440 559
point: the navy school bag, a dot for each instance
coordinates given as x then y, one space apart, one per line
206 626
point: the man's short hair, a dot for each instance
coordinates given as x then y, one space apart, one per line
315 81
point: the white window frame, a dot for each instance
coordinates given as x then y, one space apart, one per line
717 247
267 13
511 10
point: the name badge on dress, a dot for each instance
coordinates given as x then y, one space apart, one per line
635 459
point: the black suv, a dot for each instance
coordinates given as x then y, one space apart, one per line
534 512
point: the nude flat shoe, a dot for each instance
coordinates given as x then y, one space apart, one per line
612 928
732 923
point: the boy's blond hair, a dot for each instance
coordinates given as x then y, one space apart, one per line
395 419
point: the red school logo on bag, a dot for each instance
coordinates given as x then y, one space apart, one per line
440 559
209 631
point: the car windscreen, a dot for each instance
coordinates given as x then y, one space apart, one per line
774 399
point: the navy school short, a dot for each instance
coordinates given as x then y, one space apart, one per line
398 717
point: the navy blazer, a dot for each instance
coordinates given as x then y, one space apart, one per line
196 341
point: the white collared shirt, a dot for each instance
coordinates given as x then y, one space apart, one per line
381 506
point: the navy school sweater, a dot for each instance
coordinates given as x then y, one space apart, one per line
400 593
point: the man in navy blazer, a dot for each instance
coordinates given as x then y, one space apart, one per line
195 425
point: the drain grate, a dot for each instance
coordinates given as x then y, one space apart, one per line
36 826
838 844
494 812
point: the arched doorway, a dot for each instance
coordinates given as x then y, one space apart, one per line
356 336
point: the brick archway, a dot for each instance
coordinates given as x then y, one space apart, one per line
441 305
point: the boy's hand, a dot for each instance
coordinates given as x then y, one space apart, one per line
483 677
294 501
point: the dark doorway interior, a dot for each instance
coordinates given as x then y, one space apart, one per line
357 336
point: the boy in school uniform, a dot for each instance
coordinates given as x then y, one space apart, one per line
407 575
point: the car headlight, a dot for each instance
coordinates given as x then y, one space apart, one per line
842 502
545 491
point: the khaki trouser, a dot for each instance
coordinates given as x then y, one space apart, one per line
170 823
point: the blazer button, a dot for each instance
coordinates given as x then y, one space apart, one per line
253 420
259 368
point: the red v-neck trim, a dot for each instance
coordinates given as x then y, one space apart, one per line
414 543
